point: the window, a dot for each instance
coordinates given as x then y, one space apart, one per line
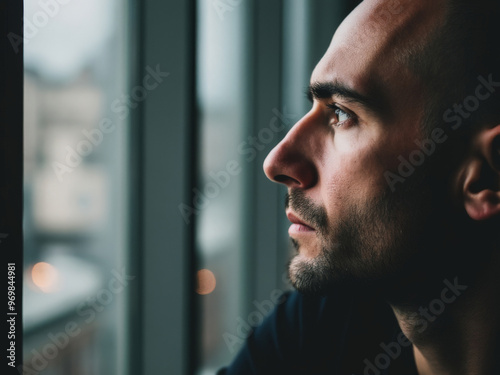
76 194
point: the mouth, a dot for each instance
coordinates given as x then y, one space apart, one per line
298 226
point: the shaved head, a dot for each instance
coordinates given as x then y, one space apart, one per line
445 44
462 47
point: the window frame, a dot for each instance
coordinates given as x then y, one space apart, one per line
162 173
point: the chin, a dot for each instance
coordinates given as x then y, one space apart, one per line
309 275
314 272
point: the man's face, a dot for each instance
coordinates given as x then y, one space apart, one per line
348 224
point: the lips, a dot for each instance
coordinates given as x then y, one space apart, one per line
298 225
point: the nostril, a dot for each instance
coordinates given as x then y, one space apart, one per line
281 178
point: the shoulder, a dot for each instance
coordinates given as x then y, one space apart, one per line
302 331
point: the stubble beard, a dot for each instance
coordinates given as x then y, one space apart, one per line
370 246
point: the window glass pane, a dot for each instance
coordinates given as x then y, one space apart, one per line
222 96
75 190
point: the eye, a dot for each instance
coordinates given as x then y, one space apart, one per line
341 116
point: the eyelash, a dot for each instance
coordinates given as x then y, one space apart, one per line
336 110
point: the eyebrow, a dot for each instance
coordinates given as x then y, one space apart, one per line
326 90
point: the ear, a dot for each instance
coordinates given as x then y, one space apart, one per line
481 179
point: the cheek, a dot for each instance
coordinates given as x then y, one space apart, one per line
353 168
353 174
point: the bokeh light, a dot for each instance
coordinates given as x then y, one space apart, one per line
45 277
205 282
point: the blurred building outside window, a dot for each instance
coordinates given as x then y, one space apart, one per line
75 190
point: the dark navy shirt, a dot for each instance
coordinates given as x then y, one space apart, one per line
349 332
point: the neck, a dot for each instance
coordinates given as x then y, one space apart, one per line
455 326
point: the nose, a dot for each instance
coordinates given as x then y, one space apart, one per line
291 162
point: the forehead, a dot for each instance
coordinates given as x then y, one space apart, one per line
368 49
